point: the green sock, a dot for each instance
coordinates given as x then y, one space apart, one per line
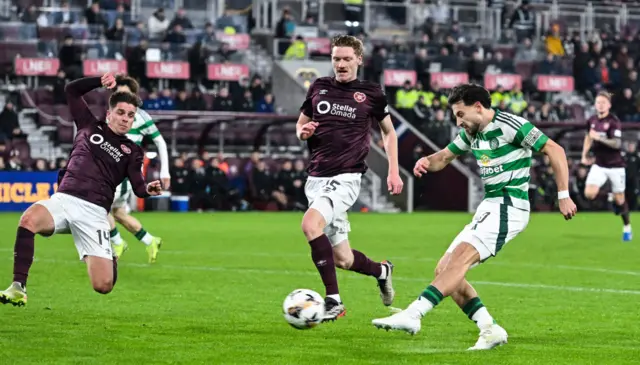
144 236
116 239
432 294
477 312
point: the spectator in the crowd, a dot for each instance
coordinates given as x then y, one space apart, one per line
517 103
223 102
624 106
40 165
247 104
152 102
179 178
285 30
70 56
136 34
547 114
64 15
104 49
257 88
563 112
553 42
117 32
3 167
158 24
550 66
266 105
166 100
530 113
181 19
200 199
59 96
225 53
523 21
226 23
476 68
439 130
181 101
9 124
14 163
95 17
196 101
30 16
176 36
123 15
209 35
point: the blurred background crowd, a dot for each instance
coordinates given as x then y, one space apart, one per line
209 70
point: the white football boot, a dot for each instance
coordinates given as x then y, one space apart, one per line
490 337
408 320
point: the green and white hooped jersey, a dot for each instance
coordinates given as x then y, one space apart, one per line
503 151
143 125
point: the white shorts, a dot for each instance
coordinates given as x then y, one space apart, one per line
491 228
599 175
87 223
122 196
333 197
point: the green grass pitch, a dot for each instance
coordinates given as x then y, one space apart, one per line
567 293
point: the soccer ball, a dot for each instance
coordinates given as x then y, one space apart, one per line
303 309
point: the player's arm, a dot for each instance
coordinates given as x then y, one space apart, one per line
613 138
390 140
304 127
78 107
586 146
530 137
134 172
439 160
150 129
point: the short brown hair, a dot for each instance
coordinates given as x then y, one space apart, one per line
605 94
124 97
348 41
129 82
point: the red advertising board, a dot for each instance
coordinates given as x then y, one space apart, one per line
99 67
399 77
318 45
448 80
555 83
37 66
168 70
507 81
227 71
235 41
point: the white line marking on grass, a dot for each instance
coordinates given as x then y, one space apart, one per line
423 281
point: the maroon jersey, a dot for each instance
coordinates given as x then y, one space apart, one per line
100 159
608 127
345 113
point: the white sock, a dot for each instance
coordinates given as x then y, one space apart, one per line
146 238
627 228
420 307
482 318
335 297
117 239
384 274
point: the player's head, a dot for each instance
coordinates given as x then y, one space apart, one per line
470 103
603 103
123 106
128 84
346 56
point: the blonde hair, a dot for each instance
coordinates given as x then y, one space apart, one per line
348 41
605 94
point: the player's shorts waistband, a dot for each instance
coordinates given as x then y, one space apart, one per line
81 201
345 176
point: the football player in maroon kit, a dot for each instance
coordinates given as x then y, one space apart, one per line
604 139
336 120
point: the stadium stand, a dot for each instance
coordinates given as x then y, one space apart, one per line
226 79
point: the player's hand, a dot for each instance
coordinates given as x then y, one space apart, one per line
154 188
594 135
567 208
307 130
585 161
421 167
108 80
166 183
394 184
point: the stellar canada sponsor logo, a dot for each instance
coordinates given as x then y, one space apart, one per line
339 110
114 152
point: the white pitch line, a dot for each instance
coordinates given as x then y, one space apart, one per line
493 262
424 281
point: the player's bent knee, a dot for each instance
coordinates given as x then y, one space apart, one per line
103 286
619 198
37 219
119 214
463 257
313 223
343 260
591 192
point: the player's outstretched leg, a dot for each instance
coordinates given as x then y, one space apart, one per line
36 219
313 224
117 243
444 285
135 227
354 260
622 208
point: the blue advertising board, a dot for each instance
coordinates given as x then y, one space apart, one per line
18 190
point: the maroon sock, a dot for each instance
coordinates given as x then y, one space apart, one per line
363 265
322 256
624 213
23 255
115 270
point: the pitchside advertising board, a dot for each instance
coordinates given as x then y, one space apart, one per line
18 190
